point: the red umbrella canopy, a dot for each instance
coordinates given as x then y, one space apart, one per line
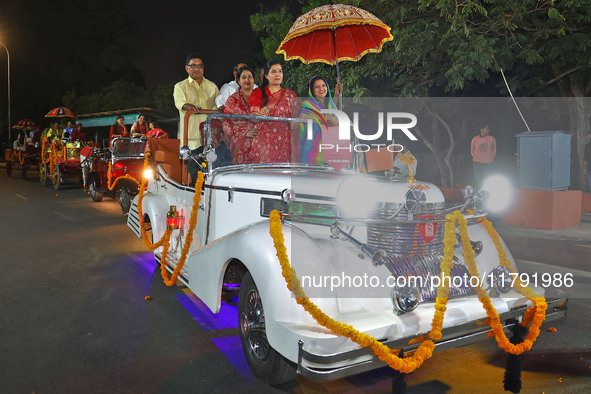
60 112
332 33
25 124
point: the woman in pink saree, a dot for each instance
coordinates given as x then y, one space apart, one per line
273 142
239 133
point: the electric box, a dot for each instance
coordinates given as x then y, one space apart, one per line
544 160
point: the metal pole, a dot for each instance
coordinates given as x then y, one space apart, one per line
8 61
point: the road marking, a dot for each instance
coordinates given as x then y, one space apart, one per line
23 197
65 216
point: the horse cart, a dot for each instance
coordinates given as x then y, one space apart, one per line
23 157
60 161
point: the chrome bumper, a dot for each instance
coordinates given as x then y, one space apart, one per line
456 336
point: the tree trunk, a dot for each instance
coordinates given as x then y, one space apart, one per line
444 171
578 109
572 87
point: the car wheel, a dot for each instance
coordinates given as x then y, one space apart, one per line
125 200
56 179
9 168
264 361
92 189
43 170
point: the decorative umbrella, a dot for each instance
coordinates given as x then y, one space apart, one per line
332 33
25 125
60 112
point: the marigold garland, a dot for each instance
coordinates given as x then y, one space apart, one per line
18 154
111 185
537 313
44 149
534 315
384 353
165 240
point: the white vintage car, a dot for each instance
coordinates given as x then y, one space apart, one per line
350 238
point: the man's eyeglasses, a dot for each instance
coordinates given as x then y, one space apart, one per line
194 66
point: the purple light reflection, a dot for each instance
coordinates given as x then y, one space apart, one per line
232 348
227 318
145 260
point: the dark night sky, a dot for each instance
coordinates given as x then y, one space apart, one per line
164 33
219 30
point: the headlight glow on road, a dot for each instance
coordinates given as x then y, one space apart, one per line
501 192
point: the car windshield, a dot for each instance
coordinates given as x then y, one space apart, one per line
128 147
242 139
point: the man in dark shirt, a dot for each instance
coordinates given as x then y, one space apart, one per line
587 162
224 158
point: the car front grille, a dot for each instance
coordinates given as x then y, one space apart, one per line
407 239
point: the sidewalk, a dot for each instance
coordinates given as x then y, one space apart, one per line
569 248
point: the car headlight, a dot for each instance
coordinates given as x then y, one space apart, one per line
501 193
477 247
500 279
467 192
148 173
405 298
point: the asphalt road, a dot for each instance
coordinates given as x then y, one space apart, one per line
74 318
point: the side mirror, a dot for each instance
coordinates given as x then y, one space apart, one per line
184 152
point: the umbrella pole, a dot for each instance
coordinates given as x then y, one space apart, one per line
340 98
336 56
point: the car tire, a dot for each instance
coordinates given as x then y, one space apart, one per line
93 189
264 361
125 200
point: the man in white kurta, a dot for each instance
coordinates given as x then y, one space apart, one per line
194 93
229 88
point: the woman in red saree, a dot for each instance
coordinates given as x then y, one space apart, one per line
118 129
239 133
273 142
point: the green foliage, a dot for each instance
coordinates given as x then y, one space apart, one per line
440 44
445 47
273 26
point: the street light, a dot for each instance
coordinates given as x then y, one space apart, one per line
8 61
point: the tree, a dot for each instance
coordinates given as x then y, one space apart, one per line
455 45
273 26
122 95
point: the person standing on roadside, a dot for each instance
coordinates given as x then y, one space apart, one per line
194 93
483 150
